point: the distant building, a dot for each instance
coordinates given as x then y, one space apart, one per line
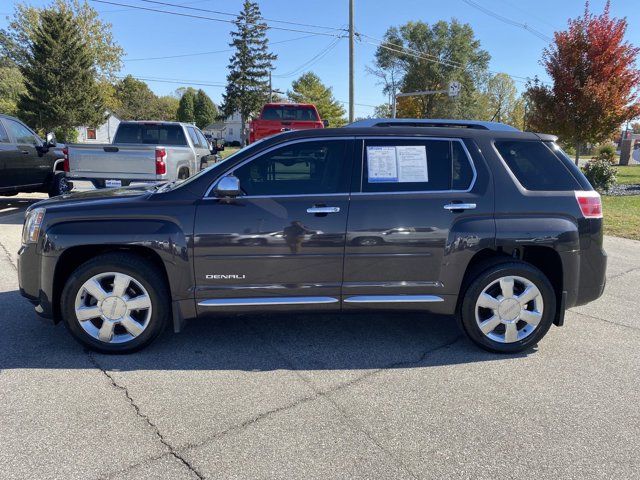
100 134
229 129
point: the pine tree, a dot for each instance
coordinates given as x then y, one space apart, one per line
205 111
247 81
60 77
309 89
186 107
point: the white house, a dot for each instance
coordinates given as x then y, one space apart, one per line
102 133
229 129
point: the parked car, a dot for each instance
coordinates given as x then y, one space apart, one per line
282 117
492 226
28 163
142 151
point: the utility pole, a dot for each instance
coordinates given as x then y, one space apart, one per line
270 89
351 99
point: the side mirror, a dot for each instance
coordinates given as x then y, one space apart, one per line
325 122
228 186
51 139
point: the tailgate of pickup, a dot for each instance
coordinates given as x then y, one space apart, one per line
112 161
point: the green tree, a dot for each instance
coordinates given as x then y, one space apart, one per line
382 111
502 98
187 106
428 57
61 89
309 89
134 100
104 52
167 108
205 111
11 87
248 78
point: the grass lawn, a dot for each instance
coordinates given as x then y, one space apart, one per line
628 174
228 151
622 216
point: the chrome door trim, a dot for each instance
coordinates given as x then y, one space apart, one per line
263 152
243 302
393 299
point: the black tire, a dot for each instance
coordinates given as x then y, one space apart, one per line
59 185
98 184
142 271
485 277
203 164
183 174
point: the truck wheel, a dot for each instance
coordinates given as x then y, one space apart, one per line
508 308
183 174
98 184
116 303
59 185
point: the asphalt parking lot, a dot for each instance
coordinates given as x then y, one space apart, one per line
368 396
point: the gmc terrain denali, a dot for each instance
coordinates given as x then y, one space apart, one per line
476 220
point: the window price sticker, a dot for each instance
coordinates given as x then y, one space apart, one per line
401 164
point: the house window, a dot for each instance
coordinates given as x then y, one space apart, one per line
91 133
230 130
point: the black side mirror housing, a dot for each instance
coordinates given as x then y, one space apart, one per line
325 122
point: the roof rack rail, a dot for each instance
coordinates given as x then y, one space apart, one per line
432 122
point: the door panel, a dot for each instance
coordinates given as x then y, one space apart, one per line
402 241
29 165
272 248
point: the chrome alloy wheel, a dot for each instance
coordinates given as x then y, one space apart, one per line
113 307
509 309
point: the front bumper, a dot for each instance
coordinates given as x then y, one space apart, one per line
29 279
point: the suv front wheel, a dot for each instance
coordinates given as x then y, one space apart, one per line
508 307
116 303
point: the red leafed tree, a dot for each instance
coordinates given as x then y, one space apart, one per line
595 81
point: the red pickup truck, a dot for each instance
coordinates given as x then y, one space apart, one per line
281 117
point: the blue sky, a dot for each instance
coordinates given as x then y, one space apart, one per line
146 34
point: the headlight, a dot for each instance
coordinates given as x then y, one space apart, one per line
32 224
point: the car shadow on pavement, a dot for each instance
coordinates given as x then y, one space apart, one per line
251 343
10 207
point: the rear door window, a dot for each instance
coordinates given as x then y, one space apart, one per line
400 165
4 137
535 166
150 134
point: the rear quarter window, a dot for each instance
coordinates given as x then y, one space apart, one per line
535 165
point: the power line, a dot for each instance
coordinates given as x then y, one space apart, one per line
175 80
316 58
212 19
503 19
213 51
287 22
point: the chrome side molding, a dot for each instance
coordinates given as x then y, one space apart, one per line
393 299
243 302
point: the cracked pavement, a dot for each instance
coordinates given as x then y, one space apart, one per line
322 396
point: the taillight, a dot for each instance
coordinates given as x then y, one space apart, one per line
65 161
590 203
161 165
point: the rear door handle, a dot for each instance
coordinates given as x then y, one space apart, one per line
460 206
323 209
25 152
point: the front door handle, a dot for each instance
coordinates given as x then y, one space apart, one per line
460 206
24 152
323 209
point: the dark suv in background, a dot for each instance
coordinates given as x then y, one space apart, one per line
475 220
28 163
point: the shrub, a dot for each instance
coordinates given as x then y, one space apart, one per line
600 173
235 143
607 152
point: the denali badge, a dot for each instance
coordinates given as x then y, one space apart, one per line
224 277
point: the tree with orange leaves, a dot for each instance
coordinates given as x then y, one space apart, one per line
595 81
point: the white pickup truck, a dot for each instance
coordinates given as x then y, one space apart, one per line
142 151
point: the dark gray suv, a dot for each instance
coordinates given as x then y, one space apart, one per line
478 221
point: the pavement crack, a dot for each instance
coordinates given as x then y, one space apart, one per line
171 450
622 274
6 252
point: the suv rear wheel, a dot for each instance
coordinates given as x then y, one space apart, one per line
116 303
508 307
